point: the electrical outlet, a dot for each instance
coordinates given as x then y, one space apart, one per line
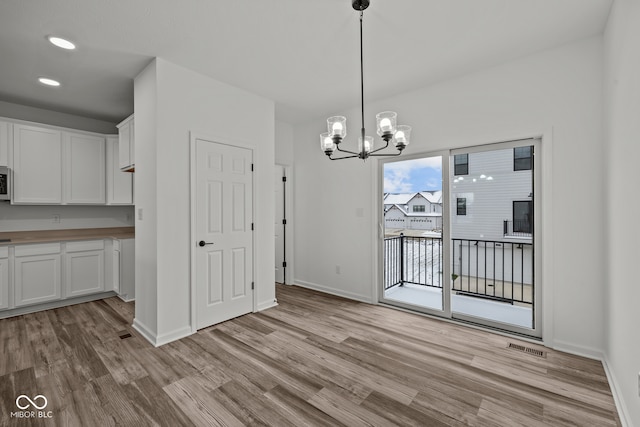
127 217
139 214
337 269
56 218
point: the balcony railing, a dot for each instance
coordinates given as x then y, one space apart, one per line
415 260
518 228
501 271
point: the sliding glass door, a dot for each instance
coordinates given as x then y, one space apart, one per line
460 235
414 254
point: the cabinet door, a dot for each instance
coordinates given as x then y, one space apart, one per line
127 269
119 184
36 274
4 278
84 169
37 165
84 268
124 152
5 138
116 271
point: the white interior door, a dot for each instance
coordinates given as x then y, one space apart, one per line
223 232
279 225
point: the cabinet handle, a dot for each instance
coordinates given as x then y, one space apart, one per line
203 243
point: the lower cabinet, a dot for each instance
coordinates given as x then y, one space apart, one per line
84 268
4 277
126 269
37 273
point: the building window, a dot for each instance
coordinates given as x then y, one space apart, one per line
522 216
523 158
418 208
461 206
461 164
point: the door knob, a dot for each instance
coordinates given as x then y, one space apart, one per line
203 243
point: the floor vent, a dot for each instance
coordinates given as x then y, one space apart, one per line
125 335
528 350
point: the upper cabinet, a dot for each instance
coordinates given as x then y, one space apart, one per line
84 169
126 136
5 139
51 166
119 184
37 165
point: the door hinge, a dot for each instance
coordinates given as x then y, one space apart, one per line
284 179
284 222
251 167
252 285
284 264
251 226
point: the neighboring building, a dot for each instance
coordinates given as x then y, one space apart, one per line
413 211
492 195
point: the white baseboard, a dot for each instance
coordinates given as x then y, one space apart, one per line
158 340
578 350
333 291
174 335
144 331
267 304
617 396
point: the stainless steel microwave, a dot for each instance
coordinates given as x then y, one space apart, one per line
5 183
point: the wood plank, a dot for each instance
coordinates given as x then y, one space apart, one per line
315 359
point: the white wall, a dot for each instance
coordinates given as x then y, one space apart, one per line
189 102
55 118
557 92
622 125
26 218
284 143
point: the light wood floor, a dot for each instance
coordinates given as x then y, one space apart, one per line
313 360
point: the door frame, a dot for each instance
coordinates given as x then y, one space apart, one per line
288 212
193 138
445 313
543 227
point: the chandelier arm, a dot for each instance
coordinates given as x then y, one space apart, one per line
385 155
345 157
346 151
379 149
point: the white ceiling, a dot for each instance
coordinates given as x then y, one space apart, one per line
303 54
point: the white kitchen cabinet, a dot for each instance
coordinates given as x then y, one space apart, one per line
126 152
37 275
37 165
124 276
4 277
6 129
119 184
84 169
84 268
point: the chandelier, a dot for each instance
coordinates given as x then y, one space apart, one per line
387 128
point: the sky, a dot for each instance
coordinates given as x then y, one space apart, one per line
412 176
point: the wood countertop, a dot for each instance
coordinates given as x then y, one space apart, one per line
42 236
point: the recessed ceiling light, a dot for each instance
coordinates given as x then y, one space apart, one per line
64 44
48 82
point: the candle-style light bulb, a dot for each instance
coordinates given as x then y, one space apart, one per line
385 125
337 128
